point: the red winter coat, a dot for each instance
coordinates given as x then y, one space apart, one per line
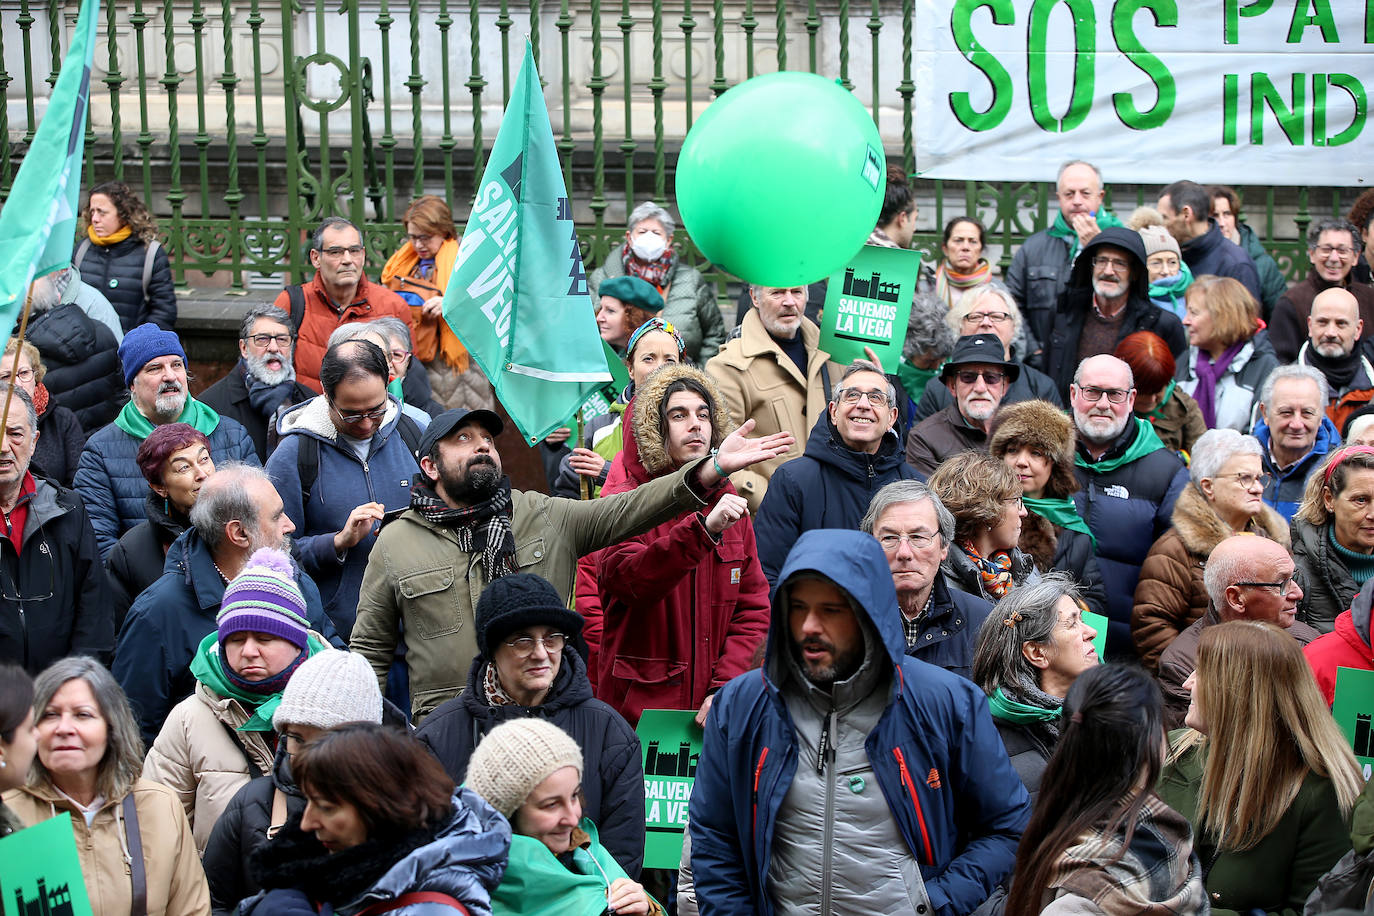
1343 647
680 613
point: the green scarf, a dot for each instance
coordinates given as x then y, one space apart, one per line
1061 512
395 388
1060 229
536 883
197 414
914 379
1158 412
1146 441
1168 294
206 668
1008 710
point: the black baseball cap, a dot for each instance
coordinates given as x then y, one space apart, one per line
443 425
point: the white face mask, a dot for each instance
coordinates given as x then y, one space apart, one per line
649 246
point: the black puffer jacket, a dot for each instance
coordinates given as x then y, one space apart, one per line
117 271
82 359
60 440
1029 745
613 770
1327 584
137 560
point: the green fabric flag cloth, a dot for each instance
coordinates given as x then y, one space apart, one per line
1169 294
537 884
914 379
518 297
1146 441
396 388
199 415
1060 228
1008 710
206 668
38 222
1061 512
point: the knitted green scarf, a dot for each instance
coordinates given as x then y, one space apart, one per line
1168 294
206 667
914 379
1146 441
1008 710
1061 512
197 414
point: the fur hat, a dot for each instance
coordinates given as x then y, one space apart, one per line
515 757
653 449
1041 425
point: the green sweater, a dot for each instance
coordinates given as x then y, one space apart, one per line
1278 873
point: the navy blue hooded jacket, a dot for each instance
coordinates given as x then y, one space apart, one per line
935 753
1285 489
829 486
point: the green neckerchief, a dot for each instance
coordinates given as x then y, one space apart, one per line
197 414
1146 441
914 379
394 387
1060 229
1171 291
1061 512
205 667
1008 710
1158 412
536 883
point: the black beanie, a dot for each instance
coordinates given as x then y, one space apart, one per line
517 601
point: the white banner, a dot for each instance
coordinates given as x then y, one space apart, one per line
1150 91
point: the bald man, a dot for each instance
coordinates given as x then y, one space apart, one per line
1334 346
1247 577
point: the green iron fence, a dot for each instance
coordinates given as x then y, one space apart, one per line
245 122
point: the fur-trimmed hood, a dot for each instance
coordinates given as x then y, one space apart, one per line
644 430
1201 529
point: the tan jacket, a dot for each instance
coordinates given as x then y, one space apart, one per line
760 382
416 573
195 757
176 882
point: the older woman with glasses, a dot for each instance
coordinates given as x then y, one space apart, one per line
1225 498
984 496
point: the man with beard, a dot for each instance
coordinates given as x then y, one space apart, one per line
264 379
344 459
977 374
1334 347
108 478
237 512
846 772
1106 300
1129 482
466 526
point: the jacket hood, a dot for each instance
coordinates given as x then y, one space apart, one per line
1201 529
312 418
854 562
825 445
1129 241
1328 437
651 451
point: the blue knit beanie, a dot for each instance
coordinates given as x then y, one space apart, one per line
146 343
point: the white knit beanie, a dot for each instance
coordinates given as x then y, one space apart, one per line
515 757
329 689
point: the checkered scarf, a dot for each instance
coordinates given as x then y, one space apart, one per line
483 529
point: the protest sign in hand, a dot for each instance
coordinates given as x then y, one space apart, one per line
868 303
671 741
1354 712
42 873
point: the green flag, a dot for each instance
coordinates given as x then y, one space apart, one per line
518 296
38 222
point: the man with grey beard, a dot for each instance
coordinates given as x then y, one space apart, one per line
977 375
108 478
1334 347
1129 482
264 380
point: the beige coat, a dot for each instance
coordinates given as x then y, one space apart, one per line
195 757
760 382
176 882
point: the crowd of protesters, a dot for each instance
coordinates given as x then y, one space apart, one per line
1045 615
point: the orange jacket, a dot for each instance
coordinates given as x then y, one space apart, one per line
370 302
433 336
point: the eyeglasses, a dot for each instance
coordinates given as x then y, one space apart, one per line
991 376
420 238
350 418
262 340
1114 395
854 395
1114 263
24 375
553 644
917 540
338 251
399 355
1326 251
1283 586
1247 481
994 317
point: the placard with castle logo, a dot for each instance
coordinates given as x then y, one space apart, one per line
41 874
867 305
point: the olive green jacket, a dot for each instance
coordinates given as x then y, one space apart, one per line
417 576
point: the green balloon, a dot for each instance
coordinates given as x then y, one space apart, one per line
782 179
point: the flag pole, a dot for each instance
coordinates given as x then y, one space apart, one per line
581 481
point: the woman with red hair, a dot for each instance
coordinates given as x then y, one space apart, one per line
1172 412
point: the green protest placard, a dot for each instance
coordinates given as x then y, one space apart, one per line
1354 710
1098 623
672 743
42 873
867 305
